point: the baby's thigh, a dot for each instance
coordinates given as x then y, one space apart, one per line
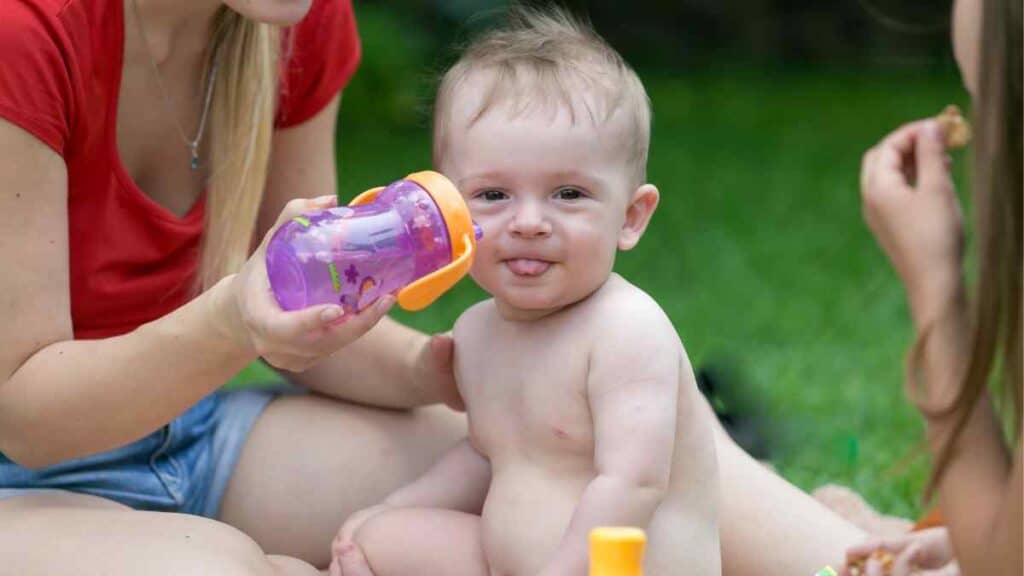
425 542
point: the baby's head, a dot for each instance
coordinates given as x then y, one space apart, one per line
545 130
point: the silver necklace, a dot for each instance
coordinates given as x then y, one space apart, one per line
193 143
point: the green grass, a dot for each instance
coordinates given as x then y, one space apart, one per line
759 255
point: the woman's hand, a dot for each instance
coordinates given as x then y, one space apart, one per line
911 207
290 340
924 553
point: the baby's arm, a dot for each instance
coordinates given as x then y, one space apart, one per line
633 386
458 481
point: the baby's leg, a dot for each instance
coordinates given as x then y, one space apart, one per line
424 542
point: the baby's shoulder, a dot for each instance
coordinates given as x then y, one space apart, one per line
473 320
622 308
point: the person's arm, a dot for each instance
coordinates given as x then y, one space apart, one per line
918 224
62 398
392 365
458 481
632 388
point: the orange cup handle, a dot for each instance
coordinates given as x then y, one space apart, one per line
366 197
423 292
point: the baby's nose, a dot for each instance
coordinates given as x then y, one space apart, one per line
529 220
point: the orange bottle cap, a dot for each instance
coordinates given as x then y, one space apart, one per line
617 551
423 291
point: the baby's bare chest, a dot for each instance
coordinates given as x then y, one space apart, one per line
529 400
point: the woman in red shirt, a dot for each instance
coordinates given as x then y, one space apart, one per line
144 144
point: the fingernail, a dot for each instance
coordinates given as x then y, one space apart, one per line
932 130
347 548
331 314
328 199
385 304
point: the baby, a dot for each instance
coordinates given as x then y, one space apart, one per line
582 405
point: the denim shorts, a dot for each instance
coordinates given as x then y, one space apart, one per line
183 467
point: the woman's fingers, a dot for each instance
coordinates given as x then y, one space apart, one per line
949 569
333 336
932 165
907 561
867 547
300 206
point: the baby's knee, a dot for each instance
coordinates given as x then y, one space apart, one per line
378 533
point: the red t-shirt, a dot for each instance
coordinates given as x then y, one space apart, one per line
131 260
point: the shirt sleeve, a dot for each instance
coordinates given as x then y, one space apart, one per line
321 54
35 82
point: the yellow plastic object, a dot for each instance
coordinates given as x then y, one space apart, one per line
421 293
617 551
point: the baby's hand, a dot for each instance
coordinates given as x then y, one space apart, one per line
925 552
347 532
351 562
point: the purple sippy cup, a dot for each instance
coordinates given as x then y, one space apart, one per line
414 237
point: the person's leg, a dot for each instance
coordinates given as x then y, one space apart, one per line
64 533
768 526
310 461
424 542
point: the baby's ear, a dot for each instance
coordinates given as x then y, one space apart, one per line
638 214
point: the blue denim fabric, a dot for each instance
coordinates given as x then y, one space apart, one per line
177 468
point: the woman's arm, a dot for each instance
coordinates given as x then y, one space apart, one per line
62 398
918 224
392 365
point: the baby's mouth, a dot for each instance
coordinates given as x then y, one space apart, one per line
527 266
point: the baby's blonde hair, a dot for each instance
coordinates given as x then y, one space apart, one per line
540 58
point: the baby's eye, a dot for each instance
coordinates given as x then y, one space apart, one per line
492 195
569 194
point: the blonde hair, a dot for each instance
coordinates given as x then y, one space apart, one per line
542 58
241 128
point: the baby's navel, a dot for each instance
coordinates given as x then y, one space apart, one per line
559 433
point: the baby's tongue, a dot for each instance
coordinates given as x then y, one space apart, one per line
528 267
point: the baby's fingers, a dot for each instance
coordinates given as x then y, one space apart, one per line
335 568
353 562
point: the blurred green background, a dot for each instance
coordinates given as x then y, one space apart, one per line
758 252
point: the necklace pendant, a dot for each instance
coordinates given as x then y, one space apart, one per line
194 164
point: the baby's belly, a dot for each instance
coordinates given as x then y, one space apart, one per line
525 516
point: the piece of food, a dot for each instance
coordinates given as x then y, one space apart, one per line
955 128
883 557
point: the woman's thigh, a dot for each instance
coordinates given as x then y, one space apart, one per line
768 527
311 461
64 533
